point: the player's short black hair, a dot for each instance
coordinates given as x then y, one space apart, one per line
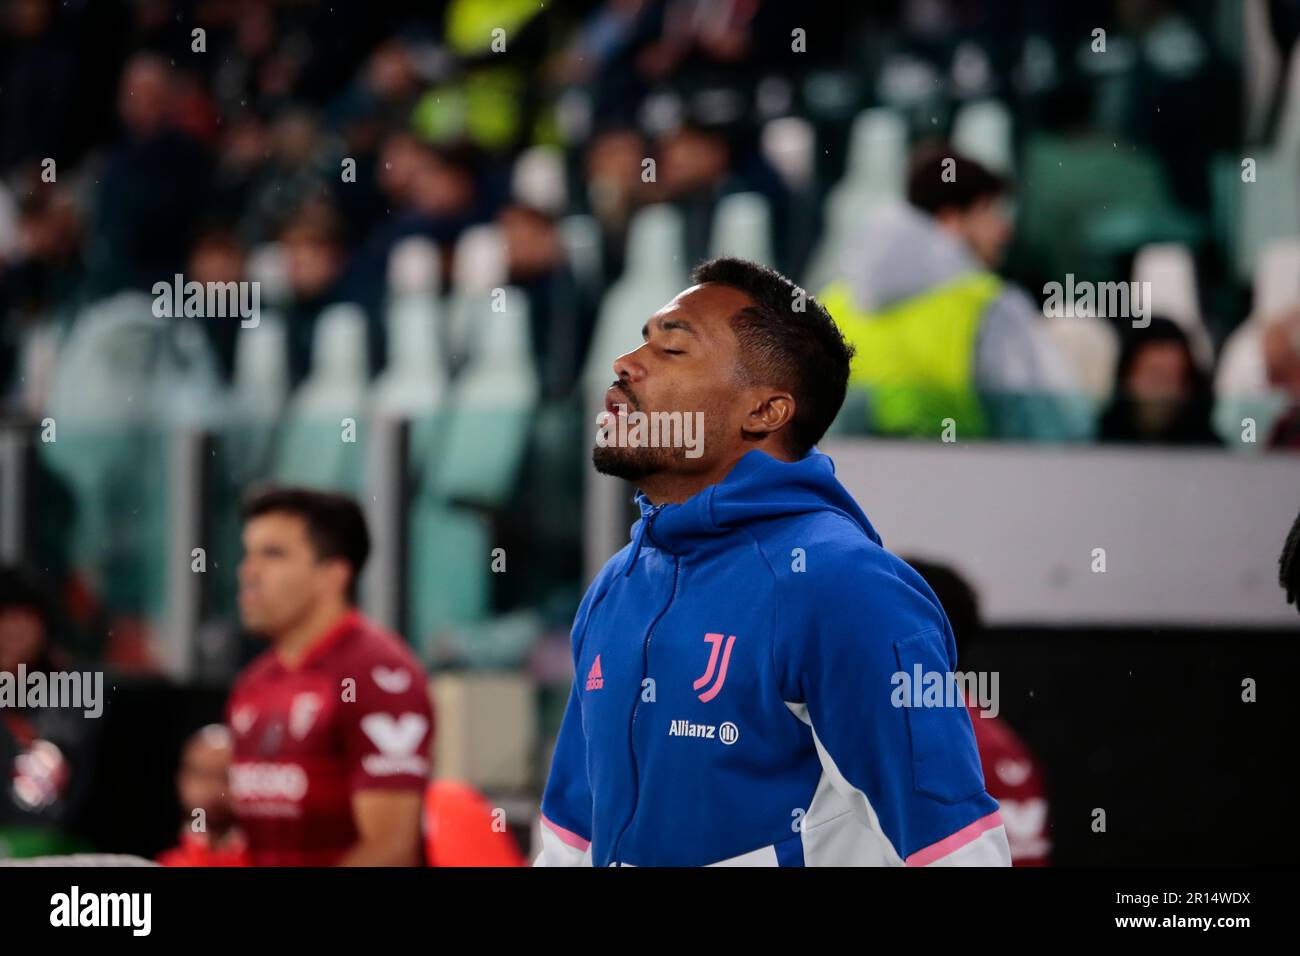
787 340
1288 565
335 525
971 181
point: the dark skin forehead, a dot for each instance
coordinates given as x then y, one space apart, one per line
704 312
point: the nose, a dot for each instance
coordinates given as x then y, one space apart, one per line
628 366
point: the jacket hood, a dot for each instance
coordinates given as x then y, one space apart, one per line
758 488
898 253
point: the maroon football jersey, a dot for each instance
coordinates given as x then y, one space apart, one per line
1014 779
353 714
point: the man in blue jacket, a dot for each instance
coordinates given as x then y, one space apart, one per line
739 663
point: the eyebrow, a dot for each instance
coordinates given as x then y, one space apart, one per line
669 325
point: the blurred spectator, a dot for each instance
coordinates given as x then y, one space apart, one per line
315 258
938 334
1161 395
208 836
1012 774
489 99
433 192
240 78
614 189
1257 384
296 173
46 753
601 57
153 187
40 278
702 42
242 155
697 166
561 322
38 74
218 256
1282 361
1162 84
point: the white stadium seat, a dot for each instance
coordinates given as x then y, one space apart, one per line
742 227
1169 269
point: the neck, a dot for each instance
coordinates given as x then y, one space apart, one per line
672 488
292 645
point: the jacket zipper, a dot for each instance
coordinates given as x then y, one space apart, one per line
631 726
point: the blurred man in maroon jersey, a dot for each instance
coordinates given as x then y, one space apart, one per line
1013 776
210 838
332 726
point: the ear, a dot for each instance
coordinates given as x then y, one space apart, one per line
950 218
769 412
340 575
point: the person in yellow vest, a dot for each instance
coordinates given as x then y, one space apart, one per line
491 50
945 346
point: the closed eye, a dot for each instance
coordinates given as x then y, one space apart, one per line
673 352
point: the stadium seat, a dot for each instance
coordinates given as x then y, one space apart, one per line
415 377
260 389
448 568
654 273
580 236
1091 346
876 173
742 227
982 131
495 395
1268 209
267 267
877 160
413 384
789 143
1241 390
1288 127
1262 70
314 447
261 371
1277 278
1115 200
122 378
1170 270
538 180
485 430
478 270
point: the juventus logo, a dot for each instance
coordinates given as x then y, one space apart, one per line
716 641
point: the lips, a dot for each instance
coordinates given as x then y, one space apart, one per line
617 401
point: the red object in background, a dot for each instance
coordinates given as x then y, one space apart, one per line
196 850
459 831
1014 779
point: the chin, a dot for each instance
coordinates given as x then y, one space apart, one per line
255 627
630 464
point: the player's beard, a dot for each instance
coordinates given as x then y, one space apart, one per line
633 464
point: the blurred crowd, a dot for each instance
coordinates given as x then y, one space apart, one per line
299 143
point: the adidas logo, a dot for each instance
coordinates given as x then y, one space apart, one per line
594 679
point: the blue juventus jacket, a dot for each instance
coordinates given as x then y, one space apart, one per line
734 696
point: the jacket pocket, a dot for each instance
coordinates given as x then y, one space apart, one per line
945 757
